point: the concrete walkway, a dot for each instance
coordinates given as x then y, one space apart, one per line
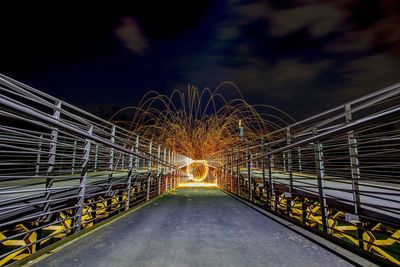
194 227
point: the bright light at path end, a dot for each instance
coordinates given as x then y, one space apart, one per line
198 170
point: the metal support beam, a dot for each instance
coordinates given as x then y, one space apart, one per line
110 171
355 175
238 171
226 170
284 161
271 189
354 163
159 169
231 170
319 164
111 161
137 162
39 153
51 162
249 180
170 169
289 160
82 182
96 155
299 160
136 157
149 161
73 158
165 169
263 162
122 161
129 182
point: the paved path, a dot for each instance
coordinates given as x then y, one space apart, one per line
194 227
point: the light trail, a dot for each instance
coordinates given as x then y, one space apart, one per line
197 123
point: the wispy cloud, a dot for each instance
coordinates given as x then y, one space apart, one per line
294 69
318 19
131 35
368 74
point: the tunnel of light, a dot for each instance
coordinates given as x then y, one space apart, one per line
198 170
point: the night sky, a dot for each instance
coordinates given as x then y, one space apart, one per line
302 56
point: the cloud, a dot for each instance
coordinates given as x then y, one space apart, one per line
294 69
249 49
131 35
370 73
382 32
283 80
319 19
228 33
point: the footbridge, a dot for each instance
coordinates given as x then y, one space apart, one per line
78 190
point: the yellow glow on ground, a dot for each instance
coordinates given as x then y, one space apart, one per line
197 185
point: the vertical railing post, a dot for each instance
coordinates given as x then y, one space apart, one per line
122 161
223 170
137 153
96 155
271 189
289 160
249 178
111 161
136 164
170 169
290 173
219 170
51 162
220 175
176 170
226 178
159 168
73 158
354 163
82 182
165 169
319 163
263 162
217 176
231 171
129 183
149 162
39 153
238 171
299 159
284 161
110 171
355 173
226 162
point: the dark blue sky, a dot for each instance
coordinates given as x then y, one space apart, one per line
302 56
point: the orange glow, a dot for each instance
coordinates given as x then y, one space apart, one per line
198 170
197 185
197 123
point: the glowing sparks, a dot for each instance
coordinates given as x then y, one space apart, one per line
198 123
198 170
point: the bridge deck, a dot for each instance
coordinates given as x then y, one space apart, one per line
194 227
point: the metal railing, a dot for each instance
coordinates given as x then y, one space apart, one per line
337 173
63 169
